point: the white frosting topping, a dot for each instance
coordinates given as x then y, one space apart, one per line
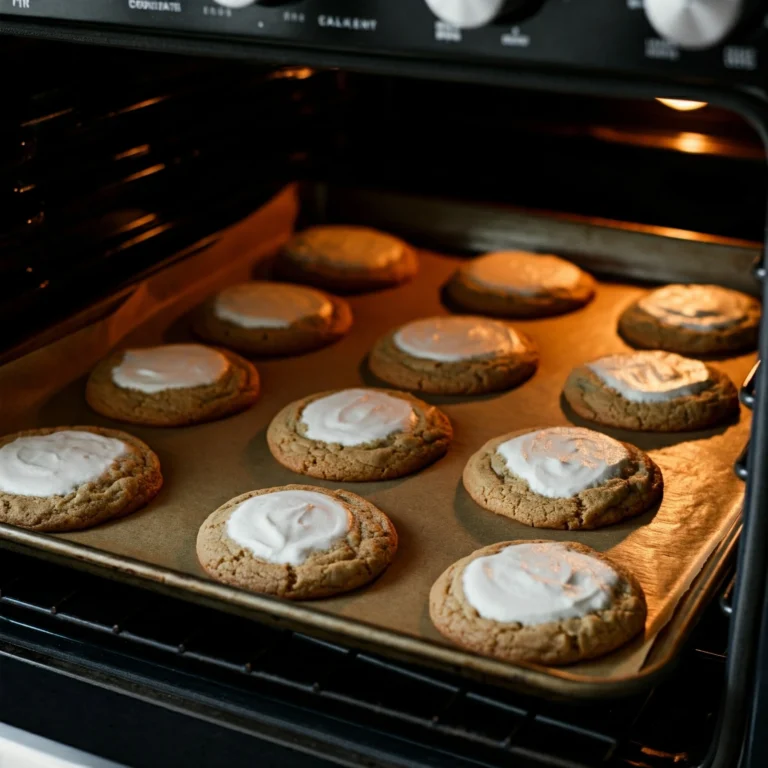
533 584
286 527
351 248
450 339
356 416
560 462
270 305
56 464
651 377
696 307
173 366
524 274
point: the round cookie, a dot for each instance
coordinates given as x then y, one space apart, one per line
693 320
357 435
297 542
172 385
569 604
346 259
518 284
652 392
68 478
266 318
458 355
562 477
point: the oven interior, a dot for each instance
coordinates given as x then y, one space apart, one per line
104 186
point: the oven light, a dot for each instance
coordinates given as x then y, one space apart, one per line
682 105
695 143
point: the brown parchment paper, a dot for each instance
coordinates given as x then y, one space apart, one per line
206 465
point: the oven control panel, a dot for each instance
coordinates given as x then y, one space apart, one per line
721 41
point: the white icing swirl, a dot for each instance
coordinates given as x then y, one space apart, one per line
356 416
696 307
173 366
651 377
286 527
560 462
56 464
347 248
451 339
270 305
524 274
532 584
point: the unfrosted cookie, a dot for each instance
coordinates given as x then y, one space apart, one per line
266 318
652 392
297 541
457 355
356 435
562 477
540 602
172 385
520 284
693 320
68 478
346 259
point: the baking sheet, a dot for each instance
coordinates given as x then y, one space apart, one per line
206 465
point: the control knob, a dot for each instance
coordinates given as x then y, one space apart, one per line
469 14
235 3
695 23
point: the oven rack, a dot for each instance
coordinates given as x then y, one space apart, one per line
245 670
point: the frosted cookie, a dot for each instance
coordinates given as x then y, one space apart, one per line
265 318
347 259
541 602
520 284
651 391
172 385
562 477
297 541
456 355
693 320
356 435
68 478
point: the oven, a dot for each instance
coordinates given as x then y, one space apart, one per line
152 152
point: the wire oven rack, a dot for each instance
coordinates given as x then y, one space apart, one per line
351 705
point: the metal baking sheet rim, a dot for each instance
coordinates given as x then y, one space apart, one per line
302 617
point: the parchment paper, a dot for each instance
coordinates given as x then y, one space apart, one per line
206 465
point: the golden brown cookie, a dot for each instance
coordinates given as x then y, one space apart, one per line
357 435
345 259
518 284
459 355
302 542
693 320
651 392
562 477
267 318
173 385
67 478
546 632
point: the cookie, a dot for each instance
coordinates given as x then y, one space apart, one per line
68 478
651 392
346 259
520 284
538 602
297 541
356 435
266 318
172 385
458 355
562 477
693 320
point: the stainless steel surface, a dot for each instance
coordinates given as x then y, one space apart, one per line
694 23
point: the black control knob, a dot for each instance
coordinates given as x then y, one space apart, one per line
470 14
695 23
